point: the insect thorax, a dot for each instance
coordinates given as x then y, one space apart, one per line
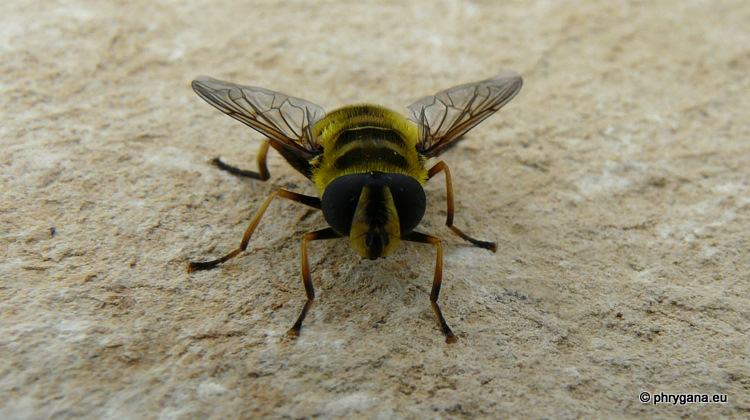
366 138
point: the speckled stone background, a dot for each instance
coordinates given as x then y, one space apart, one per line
616 183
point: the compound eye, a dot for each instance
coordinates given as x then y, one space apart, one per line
340 200
409 198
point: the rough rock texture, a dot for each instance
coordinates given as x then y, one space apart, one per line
616 183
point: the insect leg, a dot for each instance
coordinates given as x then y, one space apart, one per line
300 198
326 233
437 281
441 166
260 159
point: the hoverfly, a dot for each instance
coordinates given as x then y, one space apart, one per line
367 162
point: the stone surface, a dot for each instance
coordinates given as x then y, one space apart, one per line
616 183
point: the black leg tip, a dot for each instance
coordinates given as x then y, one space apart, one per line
293 333
197 266
237 171
492 246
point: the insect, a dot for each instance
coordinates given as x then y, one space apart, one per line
368 163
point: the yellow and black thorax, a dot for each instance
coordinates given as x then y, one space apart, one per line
365 138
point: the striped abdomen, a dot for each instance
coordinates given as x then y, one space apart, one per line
365 138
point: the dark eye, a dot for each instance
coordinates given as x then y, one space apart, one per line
341 196
340 200
409 198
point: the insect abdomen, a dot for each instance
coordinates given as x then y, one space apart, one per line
357 150
365 138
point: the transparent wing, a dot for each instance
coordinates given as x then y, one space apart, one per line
284 119
445 117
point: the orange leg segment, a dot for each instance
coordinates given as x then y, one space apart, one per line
300 198
317 235
436 282
441 166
